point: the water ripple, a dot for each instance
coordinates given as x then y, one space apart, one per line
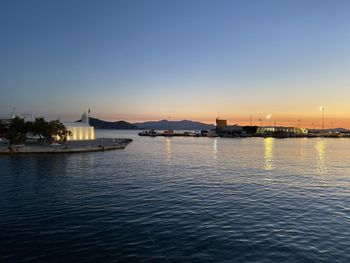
180 200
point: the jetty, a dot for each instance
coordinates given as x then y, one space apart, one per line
96 145
171 133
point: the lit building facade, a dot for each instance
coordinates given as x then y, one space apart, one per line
286 130
80 130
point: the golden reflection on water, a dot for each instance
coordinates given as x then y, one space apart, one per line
268 144
169 148
215 148
321 163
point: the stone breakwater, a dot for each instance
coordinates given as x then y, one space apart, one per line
100 144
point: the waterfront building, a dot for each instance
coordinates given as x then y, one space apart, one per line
220 123
284 130
224 130
232 129
80 130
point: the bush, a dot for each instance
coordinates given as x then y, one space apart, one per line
49 131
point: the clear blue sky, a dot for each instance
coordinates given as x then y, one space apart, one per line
139 60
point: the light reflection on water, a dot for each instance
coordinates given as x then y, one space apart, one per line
168 145
215 148
180 200
321 158
268 144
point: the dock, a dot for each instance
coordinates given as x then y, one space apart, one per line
97 145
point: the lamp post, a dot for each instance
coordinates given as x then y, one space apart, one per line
322 109
268 117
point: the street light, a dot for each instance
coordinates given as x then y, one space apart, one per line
322 109
268 117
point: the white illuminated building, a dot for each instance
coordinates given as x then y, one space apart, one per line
80 130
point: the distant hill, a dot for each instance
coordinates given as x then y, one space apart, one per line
118 125
338 130
174 125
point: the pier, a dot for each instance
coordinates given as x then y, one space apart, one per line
97 145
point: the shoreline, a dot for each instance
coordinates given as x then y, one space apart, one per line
97 145
233 136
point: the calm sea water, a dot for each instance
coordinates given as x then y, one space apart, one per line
180 200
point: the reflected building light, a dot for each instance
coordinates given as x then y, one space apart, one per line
268 143
321 164
168 148
215 148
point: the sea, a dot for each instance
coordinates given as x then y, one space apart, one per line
180 199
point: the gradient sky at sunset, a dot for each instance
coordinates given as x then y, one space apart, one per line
190 59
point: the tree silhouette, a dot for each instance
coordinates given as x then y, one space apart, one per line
18 129
50 132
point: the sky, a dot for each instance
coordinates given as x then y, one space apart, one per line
188 59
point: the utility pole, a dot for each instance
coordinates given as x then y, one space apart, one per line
13 114
268 117
322 109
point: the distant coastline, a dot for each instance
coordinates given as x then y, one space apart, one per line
162 125
155 125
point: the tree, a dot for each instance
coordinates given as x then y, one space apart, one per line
40 128
3 127
50 131
57 131
17 133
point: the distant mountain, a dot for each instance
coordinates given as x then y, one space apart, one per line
339 130
118 125
174 125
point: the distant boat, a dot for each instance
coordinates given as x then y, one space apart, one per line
150 133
